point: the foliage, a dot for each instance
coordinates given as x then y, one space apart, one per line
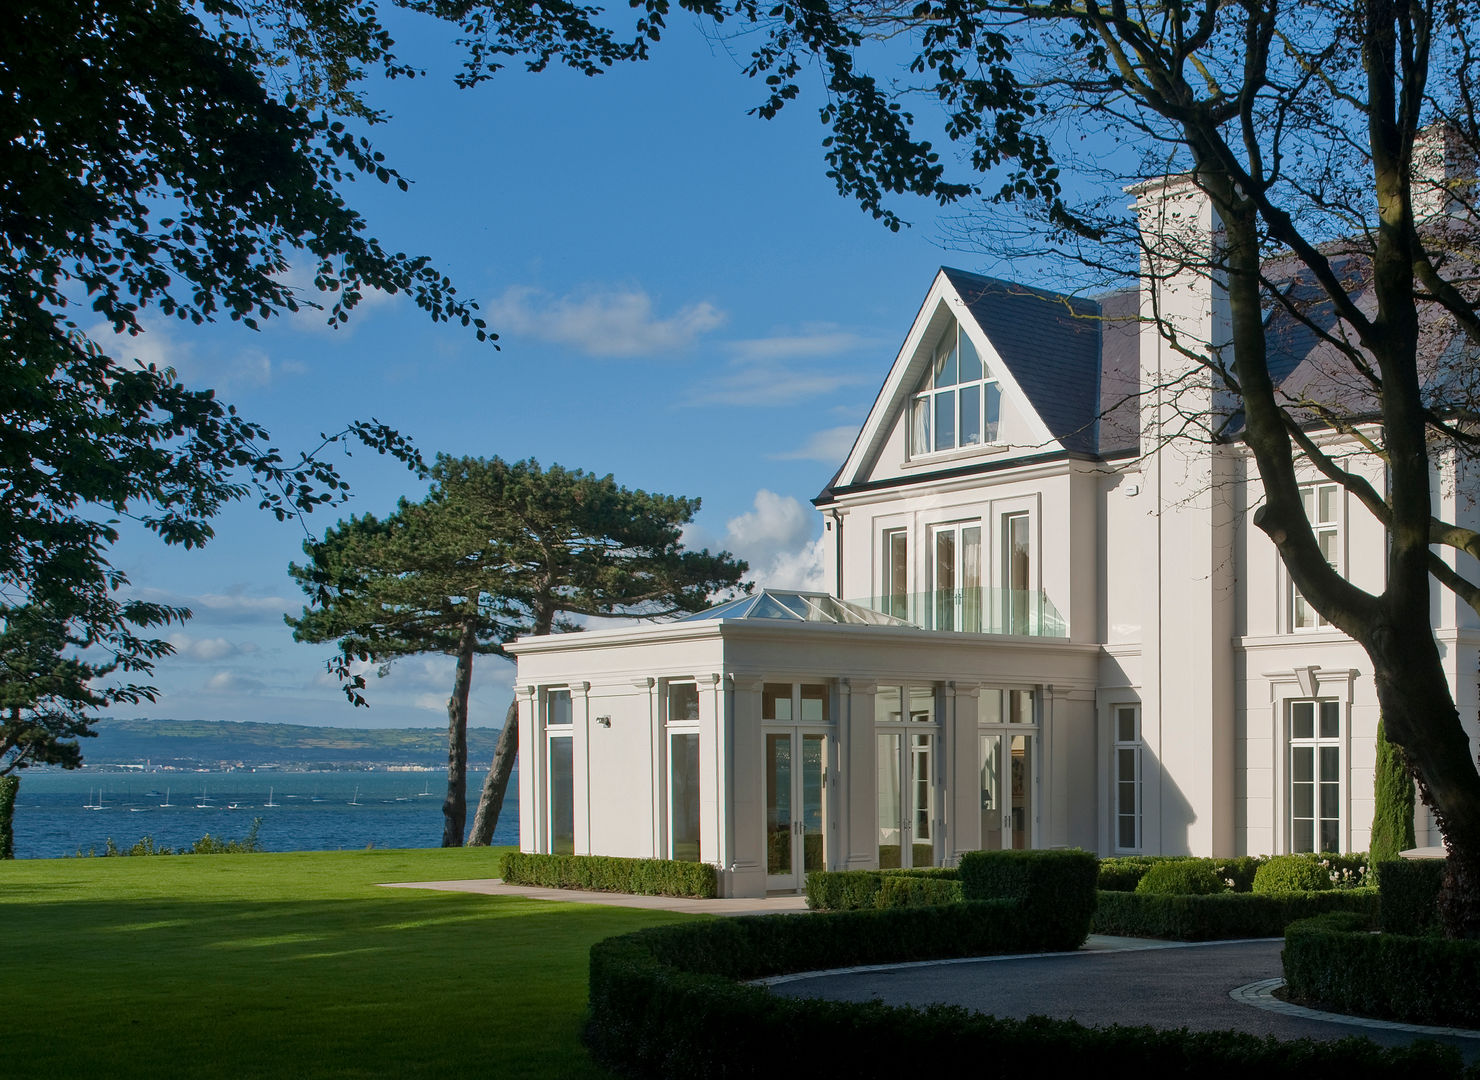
1058 887
494 552
848 890
206 845
179 160
1338 964
1181 877
1124 872
1410 895
1292 873
601 873
1392 802
9 785
1220 916
664 1004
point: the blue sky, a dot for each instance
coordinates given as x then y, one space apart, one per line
683 300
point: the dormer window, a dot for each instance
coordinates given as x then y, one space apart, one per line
958 402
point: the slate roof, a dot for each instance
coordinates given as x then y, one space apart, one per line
1050 343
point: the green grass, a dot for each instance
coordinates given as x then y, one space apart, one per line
291 965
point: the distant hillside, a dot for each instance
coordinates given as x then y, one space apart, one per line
196 743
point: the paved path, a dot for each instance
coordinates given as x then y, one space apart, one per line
1117 981
763 905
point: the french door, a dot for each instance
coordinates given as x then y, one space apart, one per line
1006 789
956 577
908 817
796 806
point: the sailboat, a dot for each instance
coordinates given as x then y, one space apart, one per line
426 790
269 801
90 805
166 798
205 800
356 800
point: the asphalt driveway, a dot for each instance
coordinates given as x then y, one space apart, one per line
1116 982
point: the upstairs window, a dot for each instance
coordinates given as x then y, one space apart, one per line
1323 507
958 403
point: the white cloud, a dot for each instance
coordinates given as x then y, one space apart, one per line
830 446
601 322
231 682
209 649
776 538
156 344
300 278
809 343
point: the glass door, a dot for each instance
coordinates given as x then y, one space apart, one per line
796 810
1006 790
907 799
956 577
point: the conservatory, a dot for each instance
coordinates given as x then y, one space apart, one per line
786 732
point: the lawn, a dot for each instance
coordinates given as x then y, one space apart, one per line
290 965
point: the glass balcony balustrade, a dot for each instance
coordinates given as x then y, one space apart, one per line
983 610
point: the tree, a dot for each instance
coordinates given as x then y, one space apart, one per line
1392 803
177 156
494 552
1310 129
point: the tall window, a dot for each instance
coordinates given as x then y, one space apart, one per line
958 403
561 789
1323 507
957 577
1315 775
1127 777
683 771
1017 574
896 583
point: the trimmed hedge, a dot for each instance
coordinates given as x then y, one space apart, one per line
851 890
1410 895
1124 872
664 1004
1221 915
1182 877
1337 964
601 873
1057 887
1291 874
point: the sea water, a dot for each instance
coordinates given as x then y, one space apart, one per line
56 815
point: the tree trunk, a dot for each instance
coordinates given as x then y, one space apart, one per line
9 785
497 781
455 807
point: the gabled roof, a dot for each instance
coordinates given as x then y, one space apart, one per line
1050 343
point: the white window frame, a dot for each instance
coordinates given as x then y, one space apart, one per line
672 727
926 393
891 602
1302 617
958 573
549 734
1135 746
1316 742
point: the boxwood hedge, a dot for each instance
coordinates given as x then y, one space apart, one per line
600 873
849 890
665 1003
1221 915
1336 963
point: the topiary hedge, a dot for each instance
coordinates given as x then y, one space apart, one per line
1222 915
1337 964
1181 877
601 873
1058 887
1124 872
1410 895
1291 874
664 1003
851 890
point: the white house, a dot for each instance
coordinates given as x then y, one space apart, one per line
1052 623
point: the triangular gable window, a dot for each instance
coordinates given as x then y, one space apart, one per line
958 403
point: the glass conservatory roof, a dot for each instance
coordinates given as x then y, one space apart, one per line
796 607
